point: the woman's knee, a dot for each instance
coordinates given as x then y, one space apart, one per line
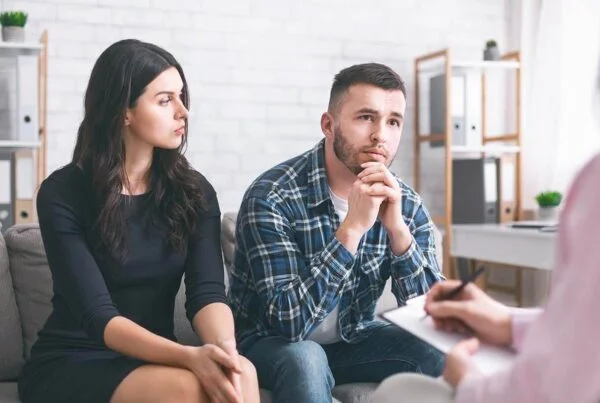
186 388
250 388
248 370
155 383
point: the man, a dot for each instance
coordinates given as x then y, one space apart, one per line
317 238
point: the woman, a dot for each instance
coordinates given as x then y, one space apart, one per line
557 348
121 224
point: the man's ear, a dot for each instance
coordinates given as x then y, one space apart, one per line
327 124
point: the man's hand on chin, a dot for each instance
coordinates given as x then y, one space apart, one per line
383 183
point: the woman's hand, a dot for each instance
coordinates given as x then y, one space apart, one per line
459 362
230 347
212 366
471 312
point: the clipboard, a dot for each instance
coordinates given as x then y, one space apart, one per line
488 359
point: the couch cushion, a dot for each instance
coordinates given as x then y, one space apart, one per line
354 392
183 329
9 392
11 337
33 286
32 279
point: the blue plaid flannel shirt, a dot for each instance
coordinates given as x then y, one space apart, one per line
290 270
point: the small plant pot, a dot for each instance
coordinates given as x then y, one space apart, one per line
13 34
491 54
548 213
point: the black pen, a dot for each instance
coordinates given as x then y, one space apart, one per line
450 295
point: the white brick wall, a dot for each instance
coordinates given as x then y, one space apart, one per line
259 70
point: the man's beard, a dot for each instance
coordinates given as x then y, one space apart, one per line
347 154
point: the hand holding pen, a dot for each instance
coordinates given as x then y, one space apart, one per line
456 291
461 306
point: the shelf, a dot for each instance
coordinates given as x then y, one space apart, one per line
438 65
20 48
441 63
16 145
488 149
21 45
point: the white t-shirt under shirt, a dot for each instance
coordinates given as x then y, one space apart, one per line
328 331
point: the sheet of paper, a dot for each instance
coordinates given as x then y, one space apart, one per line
489 359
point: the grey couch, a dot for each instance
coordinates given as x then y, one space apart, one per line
26 292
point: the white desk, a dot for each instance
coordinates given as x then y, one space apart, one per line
502 244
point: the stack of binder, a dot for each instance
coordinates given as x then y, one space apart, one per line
7 190
19 129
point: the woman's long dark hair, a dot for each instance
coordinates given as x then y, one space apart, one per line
118 78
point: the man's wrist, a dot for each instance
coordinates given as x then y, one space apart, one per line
400 238
349 235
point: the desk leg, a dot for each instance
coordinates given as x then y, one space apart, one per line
518 286
454 274
461 267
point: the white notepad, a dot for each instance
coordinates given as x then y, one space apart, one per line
489 359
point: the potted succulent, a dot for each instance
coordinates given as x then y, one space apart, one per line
13 26
548 203
491 51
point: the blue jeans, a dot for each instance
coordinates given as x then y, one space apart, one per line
306 372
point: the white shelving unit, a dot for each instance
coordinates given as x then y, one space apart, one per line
19 145
438 66
20 48
38 144
25 144
487 149
22 45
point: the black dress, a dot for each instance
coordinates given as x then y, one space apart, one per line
70 362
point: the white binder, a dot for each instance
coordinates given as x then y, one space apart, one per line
27 92
25 179
7 190
465 107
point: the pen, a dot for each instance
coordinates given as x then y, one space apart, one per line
450 295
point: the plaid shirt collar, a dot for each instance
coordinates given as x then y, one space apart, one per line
317 176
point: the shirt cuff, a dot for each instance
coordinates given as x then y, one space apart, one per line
194 305
96 324
338 259
521 319
406 264
468 389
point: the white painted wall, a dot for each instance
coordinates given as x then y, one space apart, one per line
259 70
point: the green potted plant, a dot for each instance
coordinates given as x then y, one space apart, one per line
548 203
13 25
491 51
